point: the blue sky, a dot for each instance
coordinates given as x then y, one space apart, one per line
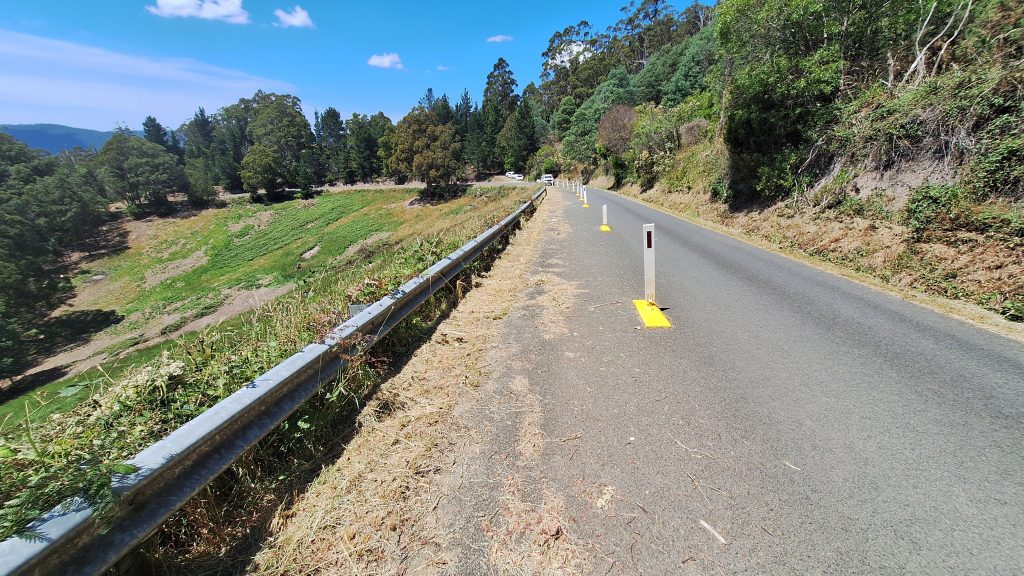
94 64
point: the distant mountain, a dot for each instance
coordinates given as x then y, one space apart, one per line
55 138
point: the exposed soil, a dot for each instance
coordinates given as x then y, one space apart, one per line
79 358
259 221
311 252
363 245
158 274
238 302
897 184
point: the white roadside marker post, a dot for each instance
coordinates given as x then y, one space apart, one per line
649 263
650 313
585 205
604 219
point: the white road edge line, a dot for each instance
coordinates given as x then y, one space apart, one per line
712 530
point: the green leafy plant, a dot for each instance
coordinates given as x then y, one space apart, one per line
934 207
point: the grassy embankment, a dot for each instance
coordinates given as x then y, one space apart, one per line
180 270
45 460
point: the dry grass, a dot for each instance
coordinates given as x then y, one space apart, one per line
368 512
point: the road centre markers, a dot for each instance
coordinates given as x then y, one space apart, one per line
650 313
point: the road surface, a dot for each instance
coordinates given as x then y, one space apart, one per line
790 422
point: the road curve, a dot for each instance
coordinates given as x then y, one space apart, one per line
791 421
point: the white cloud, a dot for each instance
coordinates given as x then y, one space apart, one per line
386 60
297 18
500 38
226 10
45 80
442 68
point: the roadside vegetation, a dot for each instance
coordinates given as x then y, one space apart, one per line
44 460
882 136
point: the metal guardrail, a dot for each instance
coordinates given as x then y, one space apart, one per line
171 471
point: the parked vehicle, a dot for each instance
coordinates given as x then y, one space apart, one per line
547 179
517 176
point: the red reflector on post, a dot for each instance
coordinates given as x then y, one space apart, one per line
650 239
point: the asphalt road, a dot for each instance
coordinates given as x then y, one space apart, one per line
817 425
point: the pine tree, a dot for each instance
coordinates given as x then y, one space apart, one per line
500 101
443 110
331 140
463 113
428 99
154 131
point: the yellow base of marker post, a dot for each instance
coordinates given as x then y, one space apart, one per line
651 315
586 205
606 228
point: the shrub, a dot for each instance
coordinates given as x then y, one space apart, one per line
935 207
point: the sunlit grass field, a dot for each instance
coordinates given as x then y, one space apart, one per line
176 270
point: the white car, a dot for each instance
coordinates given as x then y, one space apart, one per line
516 176
547 179
510 174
